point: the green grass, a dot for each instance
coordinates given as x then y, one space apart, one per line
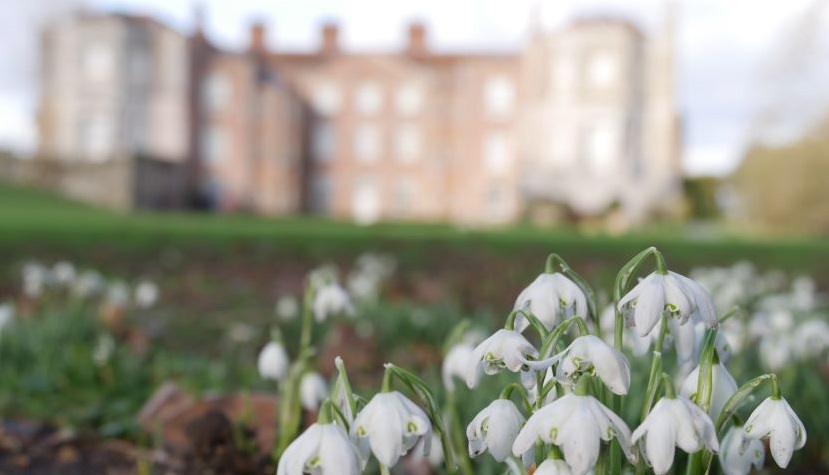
35 220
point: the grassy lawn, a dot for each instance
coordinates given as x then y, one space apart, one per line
35 220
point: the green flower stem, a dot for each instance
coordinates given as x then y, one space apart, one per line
326 413
656 369
512 387
583 385
386 387
661 268
458 437
554 453
775 388
345 383
668 387
290 409
384 470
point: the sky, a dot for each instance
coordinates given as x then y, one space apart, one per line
748 70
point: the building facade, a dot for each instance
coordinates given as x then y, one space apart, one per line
580 121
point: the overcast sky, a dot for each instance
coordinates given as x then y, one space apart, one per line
746 68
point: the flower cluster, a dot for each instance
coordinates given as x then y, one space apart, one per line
573 393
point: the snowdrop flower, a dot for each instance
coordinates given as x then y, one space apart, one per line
34 279
738 454
273 361
553 467
393 425
674 421
455 365
577 424
723 387
495 429
331 299
104 349
117 293
88 284
812 337
591 353
146 294
63 272
312 391
550 297
504 349
323 449
775 419
286 308
776 351
670 294
435 456
6 314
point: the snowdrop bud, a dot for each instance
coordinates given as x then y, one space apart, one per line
146 294
553 467
393 425
323 449
671 294
674 422
329 300
273 361
504 349
774 419
591 353
738 454
312 391
577 424
722 387
550 297
455 365
495 429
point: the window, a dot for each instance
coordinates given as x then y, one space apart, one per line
597 145
496 153
601 70
367 143
214 144
365 201
368 98
404 196
96 138
409 100
321 192
326 99
216 92
96 61
322 141
407 143
499 96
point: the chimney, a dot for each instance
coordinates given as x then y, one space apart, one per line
417 40
329 39
258 32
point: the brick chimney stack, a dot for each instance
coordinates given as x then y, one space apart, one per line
417 40
330 42
258 33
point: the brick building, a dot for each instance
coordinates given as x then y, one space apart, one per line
577 122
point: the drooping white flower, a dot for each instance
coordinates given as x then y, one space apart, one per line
273 361
35 277
674 422
456 363
146 294
323 449
89 283
723 387
312 390
435 456
553 467
329 300
738 454
577 424
63 273
670 294
6 314
776 351
286 308
591 353
104 349
551 298
504 349
812 338
495 429
774 419
392 425
117 293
